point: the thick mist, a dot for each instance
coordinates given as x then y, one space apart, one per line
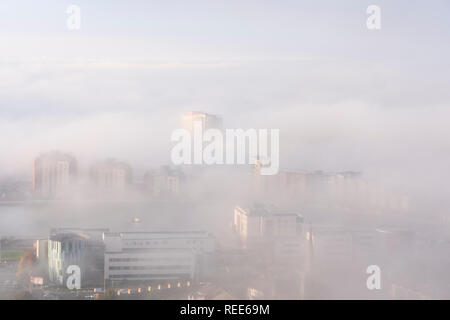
346 101
323 126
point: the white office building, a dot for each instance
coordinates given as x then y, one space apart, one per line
261 222
270 230
148 256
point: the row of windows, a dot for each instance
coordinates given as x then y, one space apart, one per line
141 243
69 245
159 276
179 267
148 259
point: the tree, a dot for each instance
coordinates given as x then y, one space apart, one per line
25 268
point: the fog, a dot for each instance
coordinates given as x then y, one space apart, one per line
344 99
134 110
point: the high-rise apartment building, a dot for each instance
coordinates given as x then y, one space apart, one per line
276 232
111 175
53 174
163 182
208 121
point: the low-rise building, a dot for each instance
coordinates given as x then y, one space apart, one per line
260 222
271 229
151 256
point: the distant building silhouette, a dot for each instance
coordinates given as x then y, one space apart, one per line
209 121
53 174
163 182
76 246
142 257
277 233
111 175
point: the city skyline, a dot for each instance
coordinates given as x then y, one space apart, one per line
204 150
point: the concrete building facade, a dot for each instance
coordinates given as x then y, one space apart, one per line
150 256
276 232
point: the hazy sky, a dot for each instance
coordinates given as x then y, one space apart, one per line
344 97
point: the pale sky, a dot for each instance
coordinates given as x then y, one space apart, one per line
344 97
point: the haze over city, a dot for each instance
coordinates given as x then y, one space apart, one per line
87 114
